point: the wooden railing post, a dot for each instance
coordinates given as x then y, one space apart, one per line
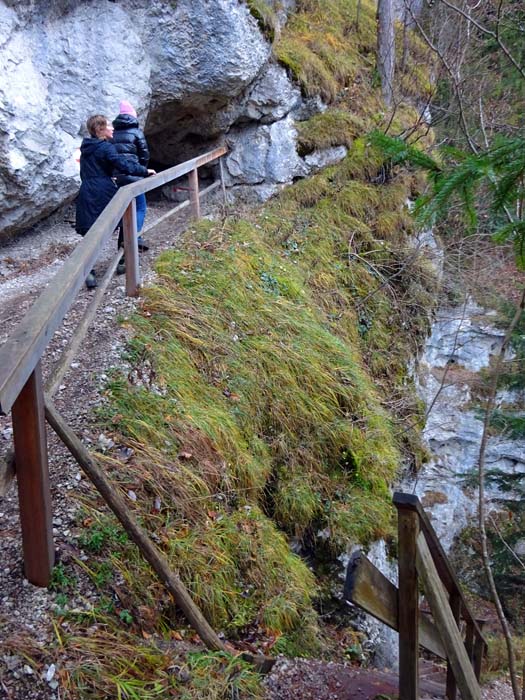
32 472
479 650
194 194
131 250
408 530
455 607
223 184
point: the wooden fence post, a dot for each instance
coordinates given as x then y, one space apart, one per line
469 641
194 194
131 250
223 184
408 529
479 650
32 472
455 607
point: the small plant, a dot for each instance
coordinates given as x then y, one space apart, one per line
61 602
101 535
126 617
61 580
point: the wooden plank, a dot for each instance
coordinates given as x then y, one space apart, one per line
137 534
131 249
480 648
368 588
29 432
409 501
223 184
25 346
455 608
469 644
439 605
408 529
150 183
194 194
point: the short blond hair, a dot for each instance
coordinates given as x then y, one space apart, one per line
96 124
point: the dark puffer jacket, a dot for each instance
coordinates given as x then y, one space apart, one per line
129 139
98 160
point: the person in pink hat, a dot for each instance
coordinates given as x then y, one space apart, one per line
130 142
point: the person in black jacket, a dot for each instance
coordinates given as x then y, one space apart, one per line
129 140
98 160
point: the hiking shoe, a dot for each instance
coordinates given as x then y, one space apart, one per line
143 246
91 280
121 267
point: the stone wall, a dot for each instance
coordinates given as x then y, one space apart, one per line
198 73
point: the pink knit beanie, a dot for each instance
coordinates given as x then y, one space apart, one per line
127 108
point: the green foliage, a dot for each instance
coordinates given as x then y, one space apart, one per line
500 170
102 533
230 678
251 405
397 151
509 424
126 617
109 664
61 579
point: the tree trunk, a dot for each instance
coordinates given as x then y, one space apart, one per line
386 49
406 26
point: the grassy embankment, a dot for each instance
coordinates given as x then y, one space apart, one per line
268 399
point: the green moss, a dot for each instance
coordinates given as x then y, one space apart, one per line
331 128
323 49
265 15
307 68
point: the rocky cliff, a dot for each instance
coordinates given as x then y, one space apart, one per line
197 72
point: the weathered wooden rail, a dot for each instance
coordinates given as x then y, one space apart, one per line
421 558
21 387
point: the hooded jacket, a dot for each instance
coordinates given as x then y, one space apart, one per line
129 139
98 160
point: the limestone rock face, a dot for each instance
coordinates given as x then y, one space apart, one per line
272 96
197 72
264 153
326 156
54 75
204 54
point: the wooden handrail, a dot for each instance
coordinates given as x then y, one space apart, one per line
421 559
446 573
22 351
422 556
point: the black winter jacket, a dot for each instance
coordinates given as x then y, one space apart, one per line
129 140
98 160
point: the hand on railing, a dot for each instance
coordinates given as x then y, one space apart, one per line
151 172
